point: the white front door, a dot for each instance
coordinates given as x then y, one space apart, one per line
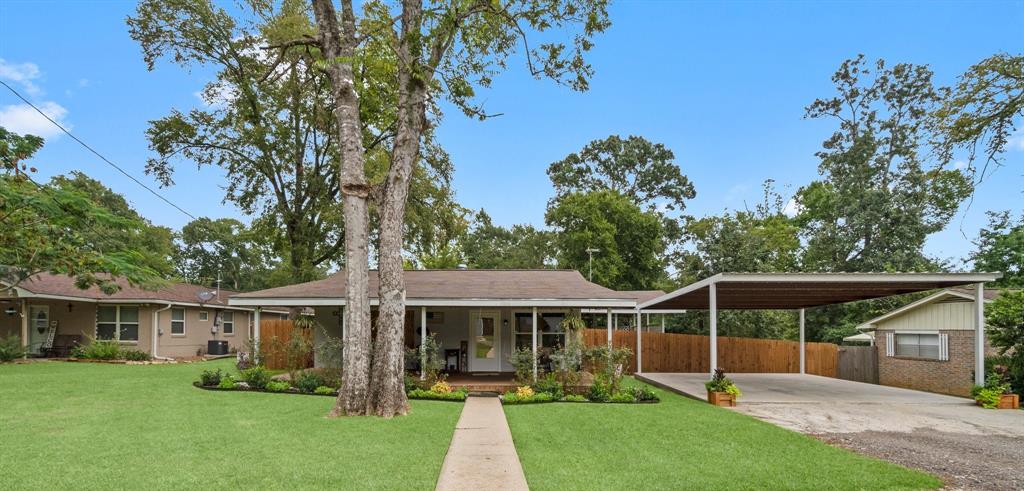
485 341
38 326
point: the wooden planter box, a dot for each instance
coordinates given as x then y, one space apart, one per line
1009 401
722 399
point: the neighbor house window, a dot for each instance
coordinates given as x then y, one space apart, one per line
177 322
117 322
917 345
549 330
204 315
228 322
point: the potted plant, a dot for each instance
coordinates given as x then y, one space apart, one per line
721 390
995 394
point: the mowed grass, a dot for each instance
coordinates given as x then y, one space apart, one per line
100 426
684 444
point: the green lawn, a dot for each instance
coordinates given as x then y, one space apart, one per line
683 444
99 426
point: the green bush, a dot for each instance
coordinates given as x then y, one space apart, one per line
411 383
988 395
11 348
277 386
324 390
1005 318
643 393
512 398
549 384
574 398
134 355
720 383
522 361
455 395
309 381
98 350
228 382
600 392
210 378
623 396
257 377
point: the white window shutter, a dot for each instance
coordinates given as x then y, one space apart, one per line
890 347
944 347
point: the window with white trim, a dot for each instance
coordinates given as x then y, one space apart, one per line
918 345
177 322
204 315
117 322
549 330
227 322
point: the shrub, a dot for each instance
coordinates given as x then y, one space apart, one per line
517 398
99 350
643 393
277 386
456 395
624 396
574 398
11 348
135 355
720 383
1004 318
608 364
988 395
324 390
522 361
411 383
309 381
429 357
441 387
257 377
549 384
210 378
228 382
524 391
599 392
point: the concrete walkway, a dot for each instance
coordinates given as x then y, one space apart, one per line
482 455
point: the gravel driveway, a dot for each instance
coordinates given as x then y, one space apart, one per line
950 437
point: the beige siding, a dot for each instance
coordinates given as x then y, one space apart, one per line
939 316
197 333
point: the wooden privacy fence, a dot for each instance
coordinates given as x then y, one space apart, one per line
689 353
858 363
275 334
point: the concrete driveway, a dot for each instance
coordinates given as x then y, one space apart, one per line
969 447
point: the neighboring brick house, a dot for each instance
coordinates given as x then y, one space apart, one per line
929 344
175 321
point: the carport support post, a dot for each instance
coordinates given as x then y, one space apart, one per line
609 324
979 334
423 343
534 341
256 332
803 350
639 344
713 307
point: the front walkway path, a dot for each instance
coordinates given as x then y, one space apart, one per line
482 455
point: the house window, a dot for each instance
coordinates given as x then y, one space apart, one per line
918 345
116 322
177 322
204 315
549 330
228 322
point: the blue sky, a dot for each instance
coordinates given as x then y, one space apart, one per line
721 84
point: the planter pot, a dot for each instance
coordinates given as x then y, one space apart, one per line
1009 401
722 399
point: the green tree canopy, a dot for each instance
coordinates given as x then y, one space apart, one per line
490 246
224 248
631 241
1001 249
1004 320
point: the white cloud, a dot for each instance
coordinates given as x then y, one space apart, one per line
83 82
959 165
22 73
792 208
22 119
1016 141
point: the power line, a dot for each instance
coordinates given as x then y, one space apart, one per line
73 137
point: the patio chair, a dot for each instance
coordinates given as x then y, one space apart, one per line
63 344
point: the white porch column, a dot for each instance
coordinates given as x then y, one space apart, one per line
423 341
663 323
803 348
609 324
256 331
713 307
639 344
979 334
344 342
534 341
24 325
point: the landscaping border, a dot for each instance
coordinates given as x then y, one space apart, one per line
294 391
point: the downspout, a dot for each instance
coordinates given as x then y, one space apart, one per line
156 331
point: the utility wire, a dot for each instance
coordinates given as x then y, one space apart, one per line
73 137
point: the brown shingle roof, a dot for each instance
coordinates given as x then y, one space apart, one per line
52 284
642 295
462 284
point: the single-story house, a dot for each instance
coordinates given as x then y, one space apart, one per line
178 320
929 344
478 316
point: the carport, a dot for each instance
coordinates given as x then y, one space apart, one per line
801 291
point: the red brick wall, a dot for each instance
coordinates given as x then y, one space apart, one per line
954 376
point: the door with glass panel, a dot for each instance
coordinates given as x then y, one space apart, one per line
485 341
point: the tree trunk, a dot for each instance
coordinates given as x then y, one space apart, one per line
338 45
387 396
